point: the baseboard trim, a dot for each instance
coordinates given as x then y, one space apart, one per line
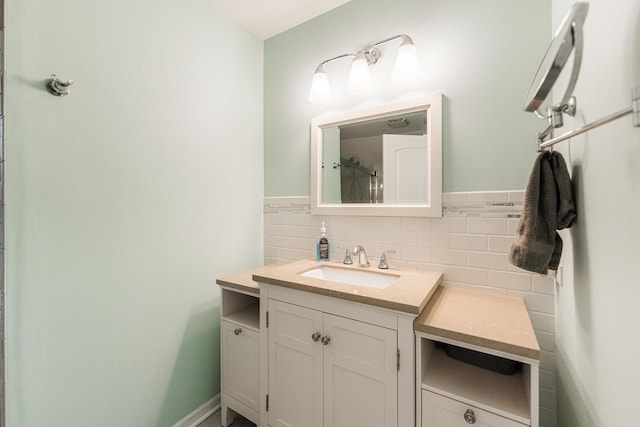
201 413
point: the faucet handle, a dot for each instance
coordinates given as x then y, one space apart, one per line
383 259
347 255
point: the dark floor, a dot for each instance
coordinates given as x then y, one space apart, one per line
214 421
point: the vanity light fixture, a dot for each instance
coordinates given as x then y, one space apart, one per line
320 92
406 69
359 76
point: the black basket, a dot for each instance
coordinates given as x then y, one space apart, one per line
483 360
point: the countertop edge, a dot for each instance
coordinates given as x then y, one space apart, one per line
432 292
235 285
487 343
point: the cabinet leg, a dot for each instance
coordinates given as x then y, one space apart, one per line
224 415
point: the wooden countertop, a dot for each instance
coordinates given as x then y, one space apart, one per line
409 293
492 321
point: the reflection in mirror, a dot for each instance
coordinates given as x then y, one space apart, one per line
376 161
379 161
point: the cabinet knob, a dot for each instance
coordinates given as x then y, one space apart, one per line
315 337
470 417
325 340
237 331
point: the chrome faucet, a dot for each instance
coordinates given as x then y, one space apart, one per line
358 250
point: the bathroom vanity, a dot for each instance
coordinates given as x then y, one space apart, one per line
477 361
302 350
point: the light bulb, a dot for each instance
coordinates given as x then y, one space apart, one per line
407 67
360 77
320 92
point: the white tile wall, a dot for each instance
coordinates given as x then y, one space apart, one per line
469 244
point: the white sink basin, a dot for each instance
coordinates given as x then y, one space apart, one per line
351 277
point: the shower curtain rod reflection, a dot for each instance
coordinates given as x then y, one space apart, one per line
353 164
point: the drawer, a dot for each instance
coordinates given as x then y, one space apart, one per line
440 411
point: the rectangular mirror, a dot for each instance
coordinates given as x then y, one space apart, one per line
384 160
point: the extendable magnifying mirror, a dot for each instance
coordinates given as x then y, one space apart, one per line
568 38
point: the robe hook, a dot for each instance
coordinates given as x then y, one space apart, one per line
57 87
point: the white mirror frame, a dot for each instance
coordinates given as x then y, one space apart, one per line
432 104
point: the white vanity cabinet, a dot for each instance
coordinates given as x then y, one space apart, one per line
328 370
480 326
240 355
299 351
335 363
329 353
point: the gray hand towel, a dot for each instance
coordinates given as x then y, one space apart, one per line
548 206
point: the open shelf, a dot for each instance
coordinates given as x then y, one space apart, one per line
248 316
242 309
505 395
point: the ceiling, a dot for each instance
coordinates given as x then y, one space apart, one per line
266 18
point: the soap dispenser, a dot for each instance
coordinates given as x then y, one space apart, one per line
322 247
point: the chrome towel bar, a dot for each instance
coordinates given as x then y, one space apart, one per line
634 110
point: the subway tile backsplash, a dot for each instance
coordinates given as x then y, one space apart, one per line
469 244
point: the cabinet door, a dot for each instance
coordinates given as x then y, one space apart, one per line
240 363
440 411
360 374
295 366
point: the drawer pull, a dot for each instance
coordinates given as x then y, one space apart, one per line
316 336
470 417
237 331
325 340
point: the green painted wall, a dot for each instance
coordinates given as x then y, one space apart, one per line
124 202
480 54
597 312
